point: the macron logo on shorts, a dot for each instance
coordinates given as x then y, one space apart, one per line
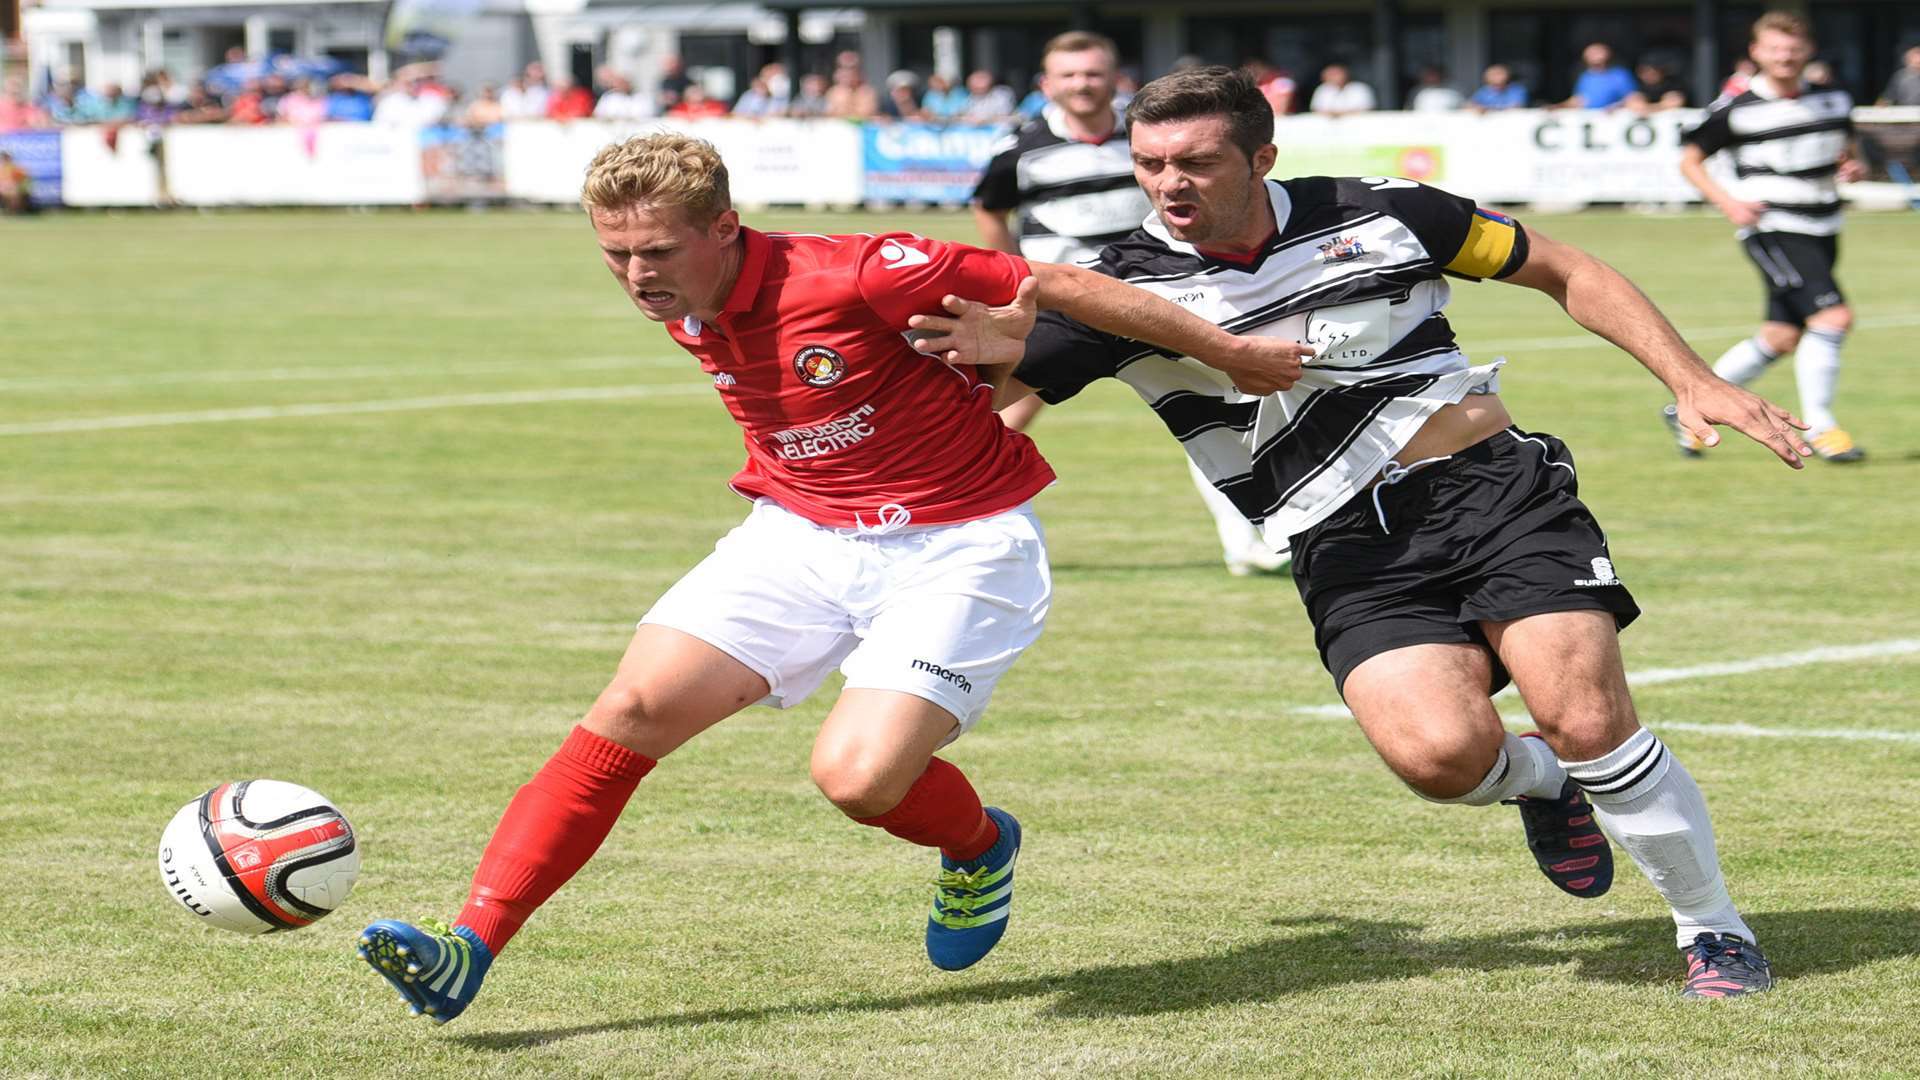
939 672
899 256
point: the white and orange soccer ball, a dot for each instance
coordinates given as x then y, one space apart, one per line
256 856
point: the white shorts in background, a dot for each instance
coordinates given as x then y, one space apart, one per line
937 611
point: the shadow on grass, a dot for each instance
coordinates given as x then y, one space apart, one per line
1321 951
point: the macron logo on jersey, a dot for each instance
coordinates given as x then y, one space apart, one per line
899 256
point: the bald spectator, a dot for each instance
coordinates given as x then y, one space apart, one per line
851 97
619 101
1339 94
525 95
1498 91
903 97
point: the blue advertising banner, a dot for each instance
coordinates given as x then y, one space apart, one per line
926 163
38 152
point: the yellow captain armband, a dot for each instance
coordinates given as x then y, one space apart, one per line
1495 247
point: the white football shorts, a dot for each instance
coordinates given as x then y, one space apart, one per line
936 611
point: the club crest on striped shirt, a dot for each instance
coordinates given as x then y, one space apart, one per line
1342 248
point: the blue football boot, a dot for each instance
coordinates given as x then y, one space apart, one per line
971 900
436 969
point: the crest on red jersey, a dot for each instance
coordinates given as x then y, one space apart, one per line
818 365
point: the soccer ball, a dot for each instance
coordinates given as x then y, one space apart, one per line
259 856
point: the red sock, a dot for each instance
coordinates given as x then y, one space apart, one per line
941 810
551 828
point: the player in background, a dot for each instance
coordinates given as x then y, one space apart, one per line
1061 186
890 536
1440 550
1788 143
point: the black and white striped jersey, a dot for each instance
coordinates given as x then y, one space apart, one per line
1068 197
1354 269
1784 151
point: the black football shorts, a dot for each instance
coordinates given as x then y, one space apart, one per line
1798 270
1495 532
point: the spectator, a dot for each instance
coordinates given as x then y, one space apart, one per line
525 97
112 106
1602 84
1432 94
673 83
851 97
171 92
1340 94
1035 102
484 110
16 187
1819 75
65 104
406 104
1657 91
1904 87
988 101
349 99
619 102
759 100
1126 83
812 99
943 101
903 97
152 108
1274 84
273 89
1498 91
1744 69
201 107
696 105
304 106
249 105
569 100
17 111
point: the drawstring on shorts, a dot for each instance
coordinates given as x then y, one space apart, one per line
893 518
1393 474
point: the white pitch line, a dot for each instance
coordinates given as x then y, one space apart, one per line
1834 654
348 408
322 373
1589 341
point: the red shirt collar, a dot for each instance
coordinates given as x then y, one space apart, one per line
753 269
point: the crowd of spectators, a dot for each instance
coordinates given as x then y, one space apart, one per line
416 96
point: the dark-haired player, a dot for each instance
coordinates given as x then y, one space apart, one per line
1441 550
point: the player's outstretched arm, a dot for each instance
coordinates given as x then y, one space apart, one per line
1601 299
983 335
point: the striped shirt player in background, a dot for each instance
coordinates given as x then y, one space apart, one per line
1060 187
1788 143
889 537
1440 551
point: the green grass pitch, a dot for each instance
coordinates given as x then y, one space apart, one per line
406 610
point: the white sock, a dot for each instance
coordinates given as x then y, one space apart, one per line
1238 537
1650 806
1744 362
1816 367
1526 766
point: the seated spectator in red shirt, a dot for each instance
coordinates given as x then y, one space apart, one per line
695 104
1274 84
569 100
250 106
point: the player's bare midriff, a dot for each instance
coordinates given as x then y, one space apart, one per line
1456 427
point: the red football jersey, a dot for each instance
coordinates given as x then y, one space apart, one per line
844 419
